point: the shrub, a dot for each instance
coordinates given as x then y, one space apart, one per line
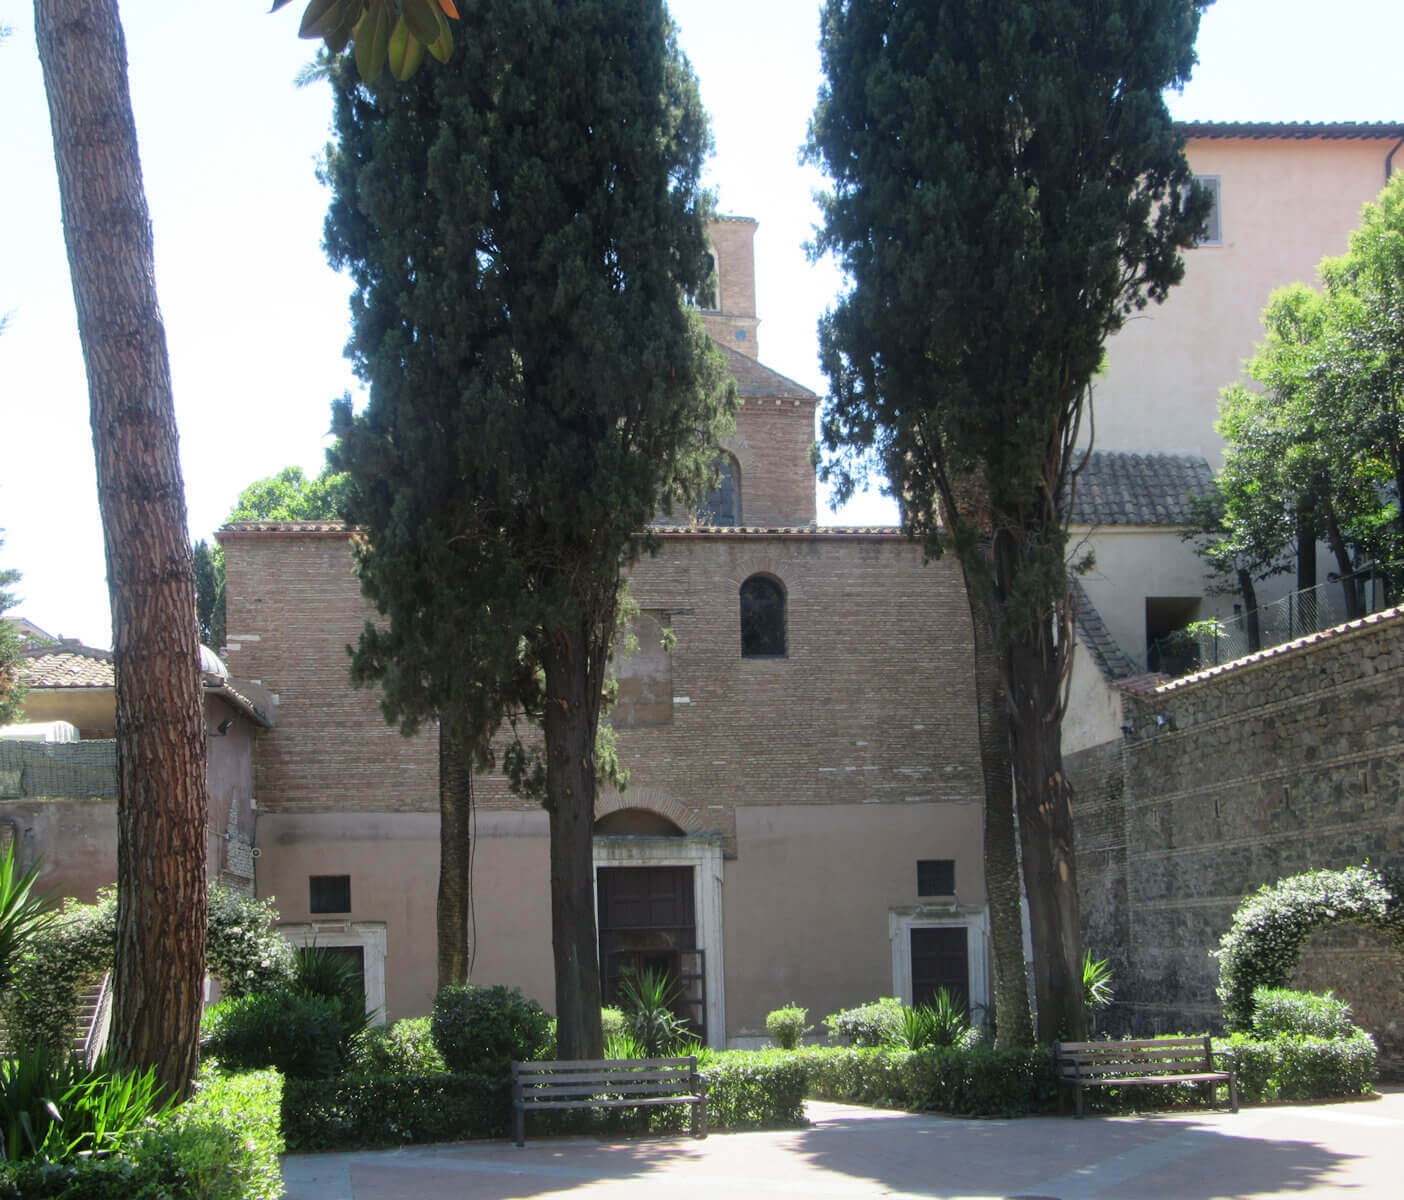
876 1024
611 1022
404 1048
940 1023
480 1029
222 1144
786 1025
1264 941
1096 982
300 1035
1301 1068
647 998
753 1090
246 952
1280 1012
387 1110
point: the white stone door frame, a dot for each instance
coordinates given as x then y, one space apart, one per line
975 919
368 935
704 855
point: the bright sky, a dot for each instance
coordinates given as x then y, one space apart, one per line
256 320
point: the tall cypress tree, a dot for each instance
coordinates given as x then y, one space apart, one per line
1007 187
523 226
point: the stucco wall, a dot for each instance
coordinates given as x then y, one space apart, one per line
1286 203
1290 760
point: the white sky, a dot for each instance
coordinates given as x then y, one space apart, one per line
256 320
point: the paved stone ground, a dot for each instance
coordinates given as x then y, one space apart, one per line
850 1153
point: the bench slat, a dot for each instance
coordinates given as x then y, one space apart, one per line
611 1087
607 1083
598 1102
623 1078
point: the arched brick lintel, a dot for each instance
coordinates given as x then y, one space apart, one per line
652 799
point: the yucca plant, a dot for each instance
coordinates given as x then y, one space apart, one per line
1096 982
647 998
942 1022
24 913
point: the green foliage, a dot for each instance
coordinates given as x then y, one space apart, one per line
24 913
941 1023
1301 1068
291 496
243 947
1264 941
222 1144
1096 982
756 1090
879 1023
393 33
1281 1012
209 592
479 1029
647 998
303 1036
611 1021
55 1109
385 1110
786 1025
12 688
404 1048
978 1081
1316 449
521 228
319 971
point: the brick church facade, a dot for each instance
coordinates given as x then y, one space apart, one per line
803 818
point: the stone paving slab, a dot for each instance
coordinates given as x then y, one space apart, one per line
851 1153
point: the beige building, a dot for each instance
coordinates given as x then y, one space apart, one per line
1287 195
803 819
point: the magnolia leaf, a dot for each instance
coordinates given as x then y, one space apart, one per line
449 8
277 4
340 34
406 51
424 18
442 47
320 17
372 38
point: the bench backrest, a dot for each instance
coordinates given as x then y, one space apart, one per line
543 1081
1147 1056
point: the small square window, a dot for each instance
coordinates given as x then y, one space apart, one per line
936 877
329 893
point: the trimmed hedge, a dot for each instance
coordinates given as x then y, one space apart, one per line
1264 941
1306 1068
222 1144
404 1048
981 1081
387 1110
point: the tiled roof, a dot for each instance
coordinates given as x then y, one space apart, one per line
832 532
1331 130
67 665
1092 632
754 379
1139 489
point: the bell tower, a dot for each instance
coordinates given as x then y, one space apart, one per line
730 317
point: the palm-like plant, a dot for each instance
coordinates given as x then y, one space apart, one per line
24 913
647 1000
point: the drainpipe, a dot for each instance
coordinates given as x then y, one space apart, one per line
1389 159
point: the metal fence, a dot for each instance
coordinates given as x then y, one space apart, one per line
1208 643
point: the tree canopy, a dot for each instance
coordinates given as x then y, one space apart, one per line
291 496
11 685
1315 437
522 227
1007 187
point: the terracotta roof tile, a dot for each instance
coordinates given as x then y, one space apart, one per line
1330 130
1092 632
1139 489
756 379
67 665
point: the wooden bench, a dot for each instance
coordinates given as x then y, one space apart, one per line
607 1083
1082 1065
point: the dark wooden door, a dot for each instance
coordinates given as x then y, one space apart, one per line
940 960
647 921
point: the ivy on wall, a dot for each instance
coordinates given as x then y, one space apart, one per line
1264 941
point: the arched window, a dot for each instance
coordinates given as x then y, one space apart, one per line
762 618
723 504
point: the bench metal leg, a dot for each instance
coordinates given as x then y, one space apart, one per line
519 1127
1080 1101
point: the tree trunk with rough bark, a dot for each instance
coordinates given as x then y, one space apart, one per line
1252 622
571 717
161 808
1046 828
1013 1019
455 856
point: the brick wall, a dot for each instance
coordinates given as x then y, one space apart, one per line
1281 763
771 444
873 702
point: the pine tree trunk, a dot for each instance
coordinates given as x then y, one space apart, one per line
1046 836
161 809
1013 1020
455 855
569 726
